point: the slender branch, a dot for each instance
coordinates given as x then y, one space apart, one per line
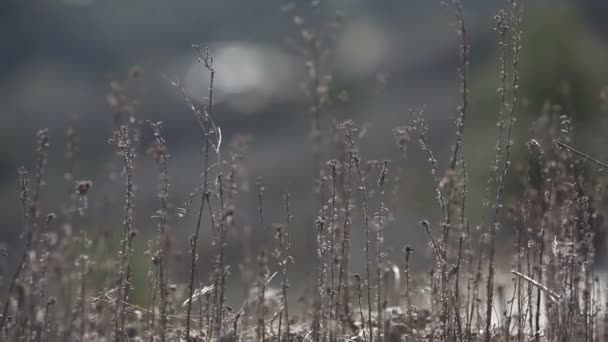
579 153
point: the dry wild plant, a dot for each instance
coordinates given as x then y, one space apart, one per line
66 286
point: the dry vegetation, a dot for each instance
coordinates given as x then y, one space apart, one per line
553 294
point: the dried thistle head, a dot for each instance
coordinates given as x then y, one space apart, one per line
83 186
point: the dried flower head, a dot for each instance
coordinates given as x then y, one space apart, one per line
83 186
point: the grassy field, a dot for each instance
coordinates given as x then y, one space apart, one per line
528 270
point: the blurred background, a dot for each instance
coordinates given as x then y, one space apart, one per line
58 58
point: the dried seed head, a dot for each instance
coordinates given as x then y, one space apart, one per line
83 186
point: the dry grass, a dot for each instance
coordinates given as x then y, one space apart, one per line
553 295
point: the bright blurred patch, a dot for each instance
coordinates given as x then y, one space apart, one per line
248 76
